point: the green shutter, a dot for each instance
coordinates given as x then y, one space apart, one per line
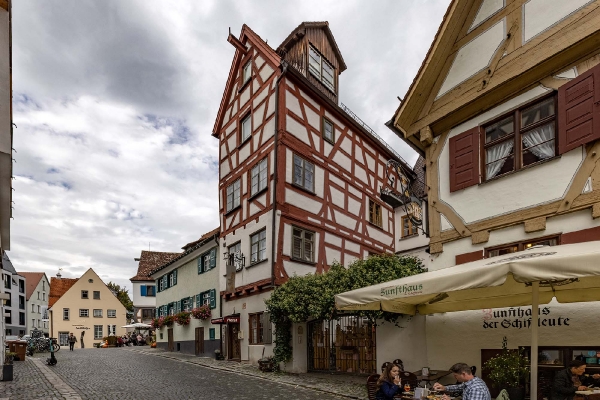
211 333
213 258
165 281
198 300
200 265
174 277
213 298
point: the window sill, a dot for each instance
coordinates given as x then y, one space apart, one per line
547 160
247 140
331 142
255 195
304 189
303 261
409 236
257 262
377 226
232 210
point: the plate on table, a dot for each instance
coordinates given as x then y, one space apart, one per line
584 392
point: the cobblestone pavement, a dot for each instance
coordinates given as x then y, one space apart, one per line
134 374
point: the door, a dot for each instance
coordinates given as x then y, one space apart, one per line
199 341
63 338
170 339
235 352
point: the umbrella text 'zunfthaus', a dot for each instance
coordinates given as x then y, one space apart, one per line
571 273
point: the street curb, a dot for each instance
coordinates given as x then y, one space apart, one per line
247 374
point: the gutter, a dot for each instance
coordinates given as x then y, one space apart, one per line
284 65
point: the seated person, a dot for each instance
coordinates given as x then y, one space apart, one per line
388 384
472 387
570 380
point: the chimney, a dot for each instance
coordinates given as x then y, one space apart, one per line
58 275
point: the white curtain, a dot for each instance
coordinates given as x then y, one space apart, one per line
496 157
536 138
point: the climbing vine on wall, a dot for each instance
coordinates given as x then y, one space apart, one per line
312 296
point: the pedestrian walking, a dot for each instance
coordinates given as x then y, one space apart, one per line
72 341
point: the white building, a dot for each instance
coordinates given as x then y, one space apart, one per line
15 312
37 292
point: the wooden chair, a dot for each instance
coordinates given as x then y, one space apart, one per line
399 363
410 378
372 386
503 395
384 365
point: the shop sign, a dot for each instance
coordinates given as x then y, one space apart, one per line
225 320
520 318
404 290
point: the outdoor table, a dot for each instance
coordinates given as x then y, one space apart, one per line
431 378
591 396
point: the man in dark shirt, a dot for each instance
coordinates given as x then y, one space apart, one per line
570 380
472 387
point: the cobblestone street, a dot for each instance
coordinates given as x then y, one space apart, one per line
150 374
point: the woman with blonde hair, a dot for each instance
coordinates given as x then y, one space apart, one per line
388 384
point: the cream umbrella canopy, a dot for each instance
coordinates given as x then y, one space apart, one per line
571 273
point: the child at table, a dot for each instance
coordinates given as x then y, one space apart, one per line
388 384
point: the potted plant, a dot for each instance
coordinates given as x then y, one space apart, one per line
267 364
509 370
182 318
168 321
7 368
202 312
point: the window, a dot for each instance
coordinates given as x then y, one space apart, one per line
96 294
173 278
113 313
375 213
44 296
206 298
207 261
258 246
209 298
84 313
187 304
160 284
8 316
520 246
7 281
519 139
233 195
321 69
33 323
21 302
304 174
8 303
328 132
258 177
247 72
21 318
246 128
408 229
38 295
39 310
33 308
148 290
256 328
22 290
97 332
97 313
147 313
235 256
303 244
211 333
84 294
65 314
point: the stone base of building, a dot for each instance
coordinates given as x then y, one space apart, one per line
189 347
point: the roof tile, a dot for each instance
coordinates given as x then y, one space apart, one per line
58 287
31 281
149 261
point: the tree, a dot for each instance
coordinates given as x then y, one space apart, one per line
122 294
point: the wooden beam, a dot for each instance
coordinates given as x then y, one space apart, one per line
581 177
535 225
237 44
436 248
596 211
426 136
497 56
4 4
480 237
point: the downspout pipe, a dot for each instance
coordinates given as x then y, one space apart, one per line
220 299
284 67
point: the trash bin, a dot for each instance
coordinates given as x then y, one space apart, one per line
20 347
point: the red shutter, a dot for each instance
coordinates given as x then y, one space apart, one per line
578 111
464 160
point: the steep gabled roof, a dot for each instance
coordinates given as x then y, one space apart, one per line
58 287
203 237
149 261
266 51
6 264
31 281
297 33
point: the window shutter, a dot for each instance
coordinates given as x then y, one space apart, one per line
178 306
213 258
143 287
199 265
199 300
213 298
579 111
266 324
464 160
174 277
165 281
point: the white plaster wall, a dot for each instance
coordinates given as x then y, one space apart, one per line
509 193
248 274
407 342
138 299
245 306
539 15
445 331
486 10
299 363
474 56
41 288
188 332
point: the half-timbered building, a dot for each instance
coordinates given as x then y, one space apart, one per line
299 184
505 110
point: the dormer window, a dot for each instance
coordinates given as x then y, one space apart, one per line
247 72
321 69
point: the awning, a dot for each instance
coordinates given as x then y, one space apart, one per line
230 319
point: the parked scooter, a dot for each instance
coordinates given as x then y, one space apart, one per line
51 360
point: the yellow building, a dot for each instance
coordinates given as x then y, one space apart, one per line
86 307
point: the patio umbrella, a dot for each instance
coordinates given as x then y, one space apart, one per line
571 273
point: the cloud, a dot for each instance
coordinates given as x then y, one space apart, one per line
115 103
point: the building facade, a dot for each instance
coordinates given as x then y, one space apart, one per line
185 283
144 287
37 292
15 312
299 179
86 307
504 110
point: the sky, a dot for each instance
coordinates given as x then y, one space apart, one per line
114 103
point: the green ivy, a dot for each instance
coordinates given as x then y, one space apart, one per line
313 296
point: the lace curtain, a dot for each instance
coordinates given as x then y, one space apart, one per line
542 139
496 157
